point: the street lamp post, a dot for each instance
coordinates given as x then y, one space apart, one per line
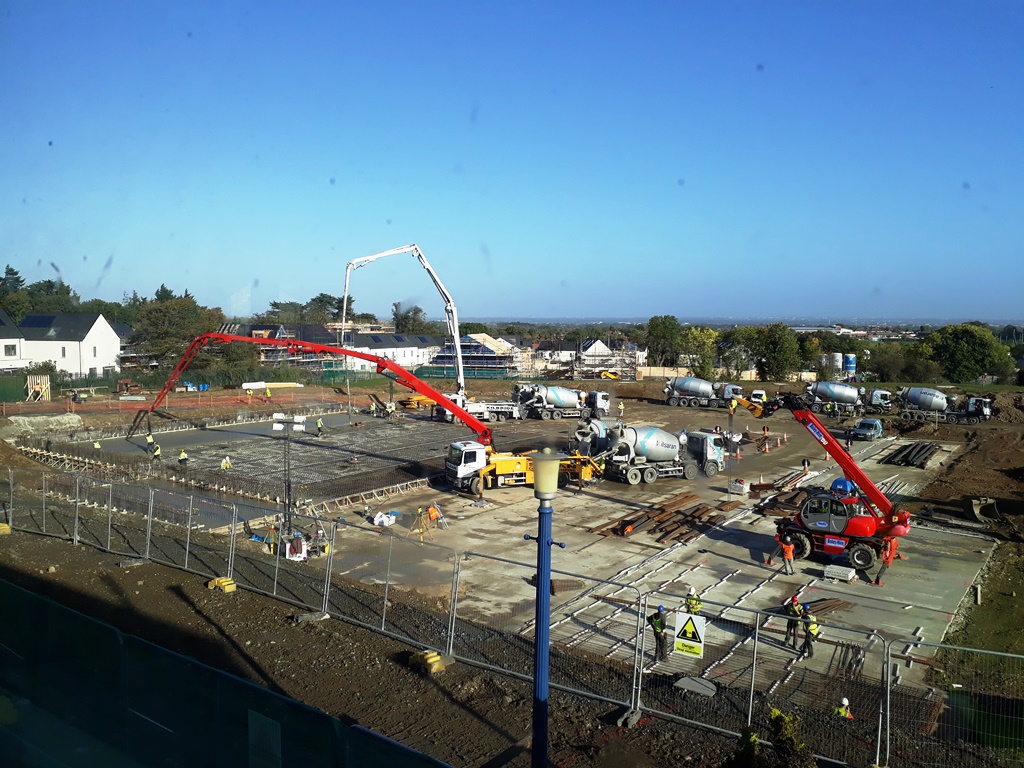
545 485
282 423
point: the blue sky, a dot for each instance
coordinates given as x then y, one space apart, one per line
551 159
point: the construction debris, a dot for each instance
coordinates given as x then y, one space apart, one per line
677 519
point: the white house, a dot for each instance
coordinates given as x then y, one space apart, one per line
79 343
13 360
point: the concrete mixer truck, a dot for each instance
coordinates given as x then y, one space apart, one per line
923 404
844 397
643 454
545 402
694 393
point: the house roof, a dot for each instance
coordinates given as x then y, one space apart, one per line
8 329
57 326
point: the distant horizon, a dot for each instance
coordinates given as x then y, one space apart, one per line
727 320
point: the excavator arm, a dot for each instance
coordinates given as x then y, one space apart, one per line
386 367
755 408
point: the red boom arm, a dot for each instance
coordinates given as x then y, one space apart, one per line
398 373
895 518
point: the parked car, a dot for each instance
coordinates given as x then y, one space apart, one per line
867 429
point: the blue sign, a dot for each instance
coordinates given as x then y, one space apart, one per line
817 433
830 542
822 524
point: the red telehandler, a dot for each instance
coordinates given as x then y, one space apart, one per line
837 521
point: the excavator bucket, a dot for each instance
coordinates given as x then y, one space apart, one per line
984 509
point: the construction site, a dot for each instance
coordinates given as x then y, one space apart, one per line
406 516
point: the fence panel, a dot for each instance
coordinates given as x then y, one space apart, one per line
129 519
970 713
419 583
301 581
495 611
27 502
747 668
254 566
92 508
360 574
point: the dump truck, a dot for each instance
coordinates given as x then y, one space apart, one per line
844 397
472 467
923 404
644 454
548 402
699 393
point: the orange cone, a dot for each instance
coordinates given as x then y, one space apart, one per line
778 442
785 437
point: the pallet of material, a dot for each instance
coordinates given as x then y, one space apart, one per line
729 506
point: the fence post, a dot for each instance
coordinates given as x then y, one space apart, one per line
149 523
453 604
10 497
753 669
638 665
277 553
387 584
44 502
330 566
110 512
74 537
888 701
188 534
234 531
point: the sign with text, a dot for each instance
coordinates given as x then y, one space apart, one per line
690 635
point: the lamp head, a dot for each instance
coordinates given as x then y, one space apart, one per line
545 474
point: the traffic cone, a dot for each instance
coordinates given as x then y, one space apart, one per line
760 478
785 437
738 456
767 446
778 442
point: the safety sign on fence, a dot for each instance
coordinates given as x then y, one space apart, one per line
690 635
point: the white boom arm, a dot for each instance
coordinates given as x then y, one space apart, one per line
451 313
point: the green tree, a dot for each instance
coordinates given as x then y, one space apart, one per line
967 351
889 360
664 340
164 329
52 296
12 282
410 320
324 308
700 345
919 366
17 305
467 328
778 351
132 307
163 293
110 310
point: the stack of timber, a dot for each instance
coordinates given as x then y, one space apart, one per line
680 518
783 504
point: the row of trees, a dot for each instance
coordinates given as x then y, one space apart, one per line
960 353
164 324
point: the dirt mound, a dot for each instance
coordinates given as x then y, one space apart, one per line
1009 407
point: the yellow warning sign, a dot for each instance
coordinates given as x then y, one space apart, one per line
690 635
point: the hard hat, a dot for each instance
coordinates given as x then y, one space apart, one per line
807 606
661 608
846 702
796 599
693 591
787 540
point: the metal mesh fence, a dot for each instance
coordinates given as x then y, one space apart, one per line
970 714
481 608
